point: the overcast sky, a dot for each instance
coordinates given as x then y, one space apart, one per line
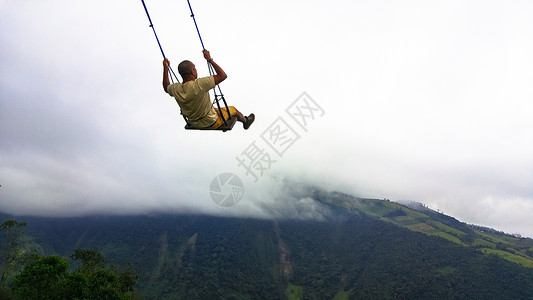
428 101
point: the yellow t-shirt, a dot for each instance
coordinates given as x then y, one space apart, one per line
194 101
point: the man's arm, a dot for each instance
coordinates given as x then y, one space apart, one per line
220 74
166 80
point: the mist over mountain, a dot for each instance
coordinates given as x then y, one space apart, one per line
325 245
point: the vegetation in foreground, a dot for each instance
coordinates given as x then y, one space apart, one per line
363 249
27 275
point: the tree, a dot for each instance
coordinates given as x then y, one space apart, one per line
43 279
128 279
91 260
48 278
13 251
103 281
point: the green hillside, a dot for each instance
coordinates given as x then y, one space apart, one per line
361 249
419 218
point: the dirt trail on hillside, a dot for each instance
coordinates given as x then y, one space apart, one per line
285 265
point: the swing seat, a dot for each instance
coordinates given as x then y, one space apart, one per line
224 127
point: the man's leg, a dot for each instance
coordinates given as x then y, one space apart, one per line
239 116
246 121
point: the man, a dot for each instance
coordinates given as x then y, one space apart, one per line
193 95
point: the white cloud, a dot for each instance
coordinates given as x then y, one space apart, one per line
424 101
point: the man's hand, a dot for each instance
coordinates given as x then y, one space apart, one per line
220 74
207 55
166 80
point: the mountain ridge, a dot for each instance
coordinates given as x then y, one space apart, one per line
423 219
359 248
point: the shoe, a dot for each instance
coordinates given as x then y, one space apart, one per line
249 120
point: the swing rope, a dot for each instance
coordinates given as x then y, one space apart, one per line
209 65
211 72
171 72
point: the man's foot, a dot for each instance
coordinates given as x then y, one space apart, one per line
249 120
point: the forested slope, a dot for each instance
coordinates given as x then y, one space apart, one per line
349 255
